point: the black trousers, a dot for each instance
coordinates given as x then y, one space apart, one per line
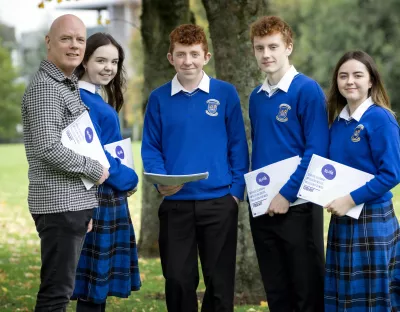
319 254
289 257
86 306
61 238
207 227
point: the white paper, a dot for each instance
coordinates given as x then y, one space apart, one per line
326 180
81 137
123 151
265 183
167 179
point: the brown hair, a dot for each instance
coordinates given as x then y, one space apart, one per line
115 87
336 101
269 25
188 34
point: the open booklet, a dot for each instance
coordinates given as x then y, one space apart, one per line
81 137
167 179
265 183
326 180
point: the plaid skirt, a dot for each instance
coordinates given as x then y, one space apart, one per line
362 271
108 265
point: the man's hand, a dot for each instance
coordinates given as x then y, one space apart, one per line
132 192
340 206
104 177
90 226
168 190
279 205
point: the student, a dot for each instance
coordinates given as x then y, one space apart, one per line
194 124
363 255
58 201
288 118
108 265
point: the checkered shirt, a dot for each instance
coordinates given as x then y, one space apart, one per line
50 103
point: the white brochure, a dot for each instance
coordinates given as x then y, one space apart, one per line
326 180
81 137
123 151
265 183
167 179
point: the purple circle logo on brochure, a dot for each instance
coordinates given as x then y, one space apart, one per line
262 179
120 152
329 172
89 135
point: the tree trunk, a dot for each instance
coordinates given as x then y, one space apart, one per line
229 23
159 18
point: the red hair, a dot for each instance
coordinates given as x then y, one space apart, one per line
188 34
269 25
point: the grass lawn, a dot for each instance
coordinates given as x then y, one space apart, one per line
20 253
19 245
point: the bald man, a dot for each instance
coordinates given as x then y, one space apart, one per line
58 201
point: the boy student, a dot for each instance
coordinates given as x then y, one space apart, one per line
194 124
288 118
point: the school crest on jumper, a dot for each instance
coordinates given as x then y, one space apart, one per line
212 107
283 111
356 135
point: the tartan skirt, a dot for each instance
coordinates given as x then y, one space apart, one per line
362 271
108 265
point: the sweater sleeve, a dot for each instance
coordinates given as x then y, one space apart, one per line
238 153
314 120
152 157
43 108
122 178
385 148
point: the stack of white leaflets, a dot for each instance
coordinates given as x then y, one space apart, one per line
123 151
326 180
81 137
265 183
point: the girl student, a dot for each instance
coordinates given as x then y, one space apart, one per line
362 271
108 265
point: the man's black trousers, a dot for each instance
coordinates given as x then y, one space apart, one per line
61 239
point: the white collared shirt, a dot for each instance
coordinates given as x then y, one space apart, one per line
204 85
283 84
357 114
87 86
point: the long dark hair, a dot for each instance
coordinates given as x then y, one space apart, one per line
336 101
115 87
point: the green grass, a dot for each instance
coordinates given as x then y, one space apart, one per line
20 252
